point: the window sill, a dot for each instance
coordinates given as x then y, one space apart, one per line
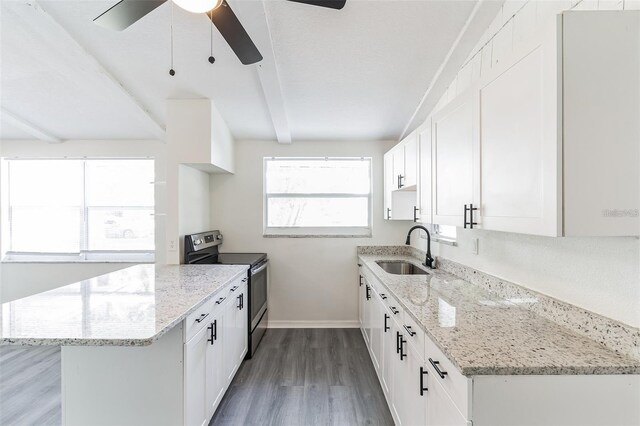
132 258
316 236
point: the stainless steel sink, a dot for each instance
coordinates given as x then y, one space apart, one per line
401 268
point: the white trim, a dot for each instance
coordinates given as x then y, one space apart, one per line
313 324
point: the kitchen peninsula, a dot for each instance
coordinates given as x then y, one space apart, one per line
144 345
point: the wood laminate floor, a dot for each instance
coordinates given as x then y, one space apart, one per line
30 386
306 377
297 377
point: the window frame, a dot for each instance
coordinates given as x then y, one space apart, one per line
316 232
84 255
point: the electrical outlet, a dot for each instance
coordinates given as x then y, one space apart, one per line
474 246
172 245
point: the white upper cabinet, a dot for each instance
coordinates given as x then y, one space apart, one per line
410 175
519 147
454 160
424 173
601 68
547 142
400 180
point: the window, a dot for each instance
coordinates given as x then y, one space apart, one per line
444 233
72 209
317 196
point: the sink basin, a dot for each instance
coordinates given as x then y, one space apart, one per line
401 268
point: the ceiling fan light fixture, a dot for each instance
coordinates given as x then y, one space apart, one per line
198 6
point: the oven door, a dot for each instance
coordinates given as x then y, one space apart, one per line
258 293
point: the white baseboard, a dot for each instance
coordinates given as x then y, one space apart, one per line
313 324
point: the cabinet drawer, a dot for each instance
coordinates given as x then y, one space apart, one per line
415 335
198 319
457 386
235 288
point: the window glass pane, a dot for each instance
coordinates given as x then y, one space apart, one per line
45 206
121 228
45 229
318 176
318 212
120 182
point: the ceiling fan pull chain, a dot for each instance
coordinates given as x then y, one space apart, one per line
211 58
172 72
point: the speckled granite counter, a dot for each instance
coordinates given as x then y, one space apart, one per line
130 307
484 334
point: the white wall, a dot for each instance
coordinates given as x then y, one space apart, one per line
599 274
24 279
193 204
313 281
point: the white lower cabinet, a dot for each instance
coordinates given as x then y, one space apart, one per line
214 349
423 387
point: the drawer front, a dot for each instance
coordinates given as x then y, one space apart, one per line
415 335
198 319
235 288
457 386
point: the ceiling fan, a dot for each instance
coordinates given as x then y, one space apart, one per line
126 12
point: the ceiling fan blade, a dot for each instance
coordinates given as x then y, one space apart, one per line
333 4
126 12
234 33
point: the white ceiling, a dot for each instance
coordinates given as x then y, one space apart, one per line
357 73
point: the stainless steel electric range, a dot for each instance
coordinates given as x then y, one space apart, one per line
203 248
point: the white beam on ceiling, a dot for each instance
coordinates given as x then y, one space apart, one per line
481 17
270 81
27 127
142 113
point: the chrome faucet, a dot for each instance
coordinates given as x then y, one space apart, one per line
429 262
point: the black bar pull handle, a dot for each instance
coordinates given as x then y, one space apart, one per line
435 365
415 213
242 301
394 311
409 330
383 296
360 280
219 301
211 338
368 292
239 305
215 329
465 216
402 342
202 317
398 335
400 184
388 213
234 288
386 327
471 210
423 388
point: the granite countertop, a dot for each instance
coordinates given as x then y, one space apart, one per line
484 334
130 307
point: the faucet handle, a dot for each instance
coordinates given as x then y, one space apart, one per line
430 262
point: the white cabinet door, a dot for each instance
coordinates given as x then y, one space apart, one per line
410 176
398 165
229 337
425 173
389 184
441 410
215 378
376 329
195 359
241 324
455 166
367 311
388 352
398 367
518 147
415 376
601 65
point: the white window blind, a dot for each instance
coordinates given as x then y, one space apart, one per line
80 209
317 196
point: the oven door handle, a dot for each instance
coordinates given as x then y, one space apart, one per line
259 269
